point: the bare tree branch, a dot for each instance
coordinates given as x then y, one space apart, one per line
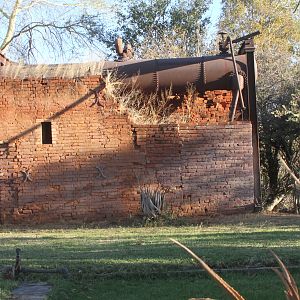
5 14
81 3
297 180
29 22
29 28
297 6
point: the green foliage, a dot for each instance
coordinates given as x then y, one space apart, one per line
279 123
291 111
160 27
278 63
276 20
5 287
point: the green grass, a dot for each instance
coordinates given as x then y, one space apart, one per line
141 262
263 286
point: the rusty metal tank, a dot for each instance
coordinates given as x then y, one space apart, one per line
205 73
219 72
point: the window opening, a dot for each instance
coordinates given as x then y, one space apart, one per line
46 133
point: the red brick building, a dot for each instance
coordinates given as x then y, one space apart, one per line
65 157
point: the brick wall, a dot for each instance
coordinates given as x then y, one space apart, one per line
98 158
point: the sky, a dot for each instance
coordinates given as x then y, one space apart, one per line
87 55
214 13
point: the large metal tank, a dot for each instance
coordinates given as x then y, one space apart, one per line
205 73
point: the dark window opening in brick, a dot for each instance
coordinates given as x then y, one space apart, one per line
46 133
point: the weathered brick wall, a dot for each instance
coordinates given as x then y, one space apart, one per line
99 158
211 108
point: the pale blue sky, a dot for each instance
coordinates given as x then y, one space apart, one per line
86 54
214 13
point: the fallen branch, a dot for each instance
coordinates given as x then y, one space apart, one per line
297 180
229 289
276 201
291 291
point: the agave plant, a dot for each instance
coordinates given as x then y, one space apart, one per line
152 201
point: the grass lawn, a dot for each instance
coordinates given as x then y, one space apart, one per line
141 262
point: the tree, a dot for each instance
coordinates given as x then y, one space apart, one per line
279 70
30 26
159 28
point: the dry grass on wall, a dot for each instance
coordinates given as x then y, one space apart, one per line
141 108
166 107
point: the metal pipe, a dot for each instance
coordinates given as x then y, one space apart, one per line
246 37
235 98
236 72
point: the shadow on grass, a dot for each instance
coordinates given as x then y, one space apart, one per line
141 263
150 253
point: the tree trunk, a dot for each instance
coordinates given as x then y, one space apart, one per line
11 26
